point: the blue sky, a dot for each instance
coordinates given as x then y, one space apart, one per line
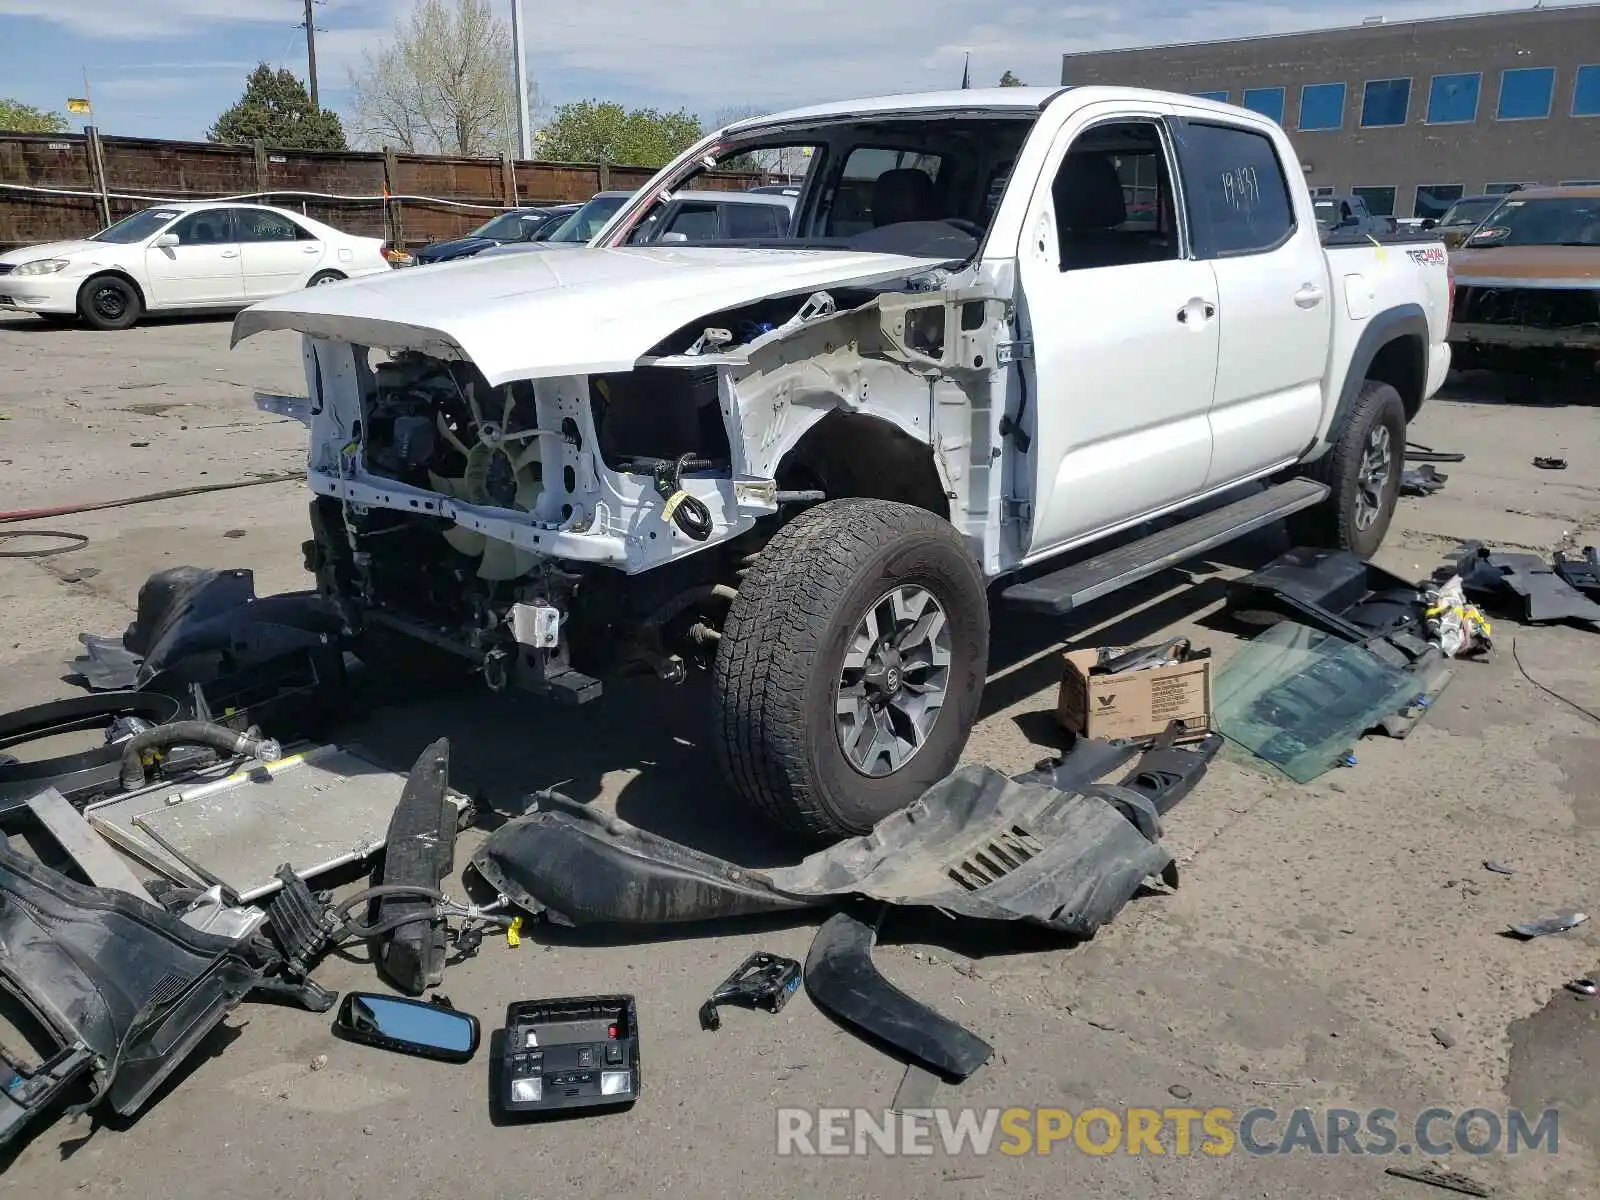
166 68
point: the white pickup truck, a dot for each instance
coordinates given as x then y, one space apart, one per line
1002 325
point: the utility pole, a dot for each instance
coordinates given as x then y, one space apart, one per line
311 51
519 80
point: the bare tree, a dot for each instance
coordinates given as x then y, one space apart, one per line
443 85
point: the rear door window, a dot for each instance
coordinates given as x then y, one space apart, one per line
1236 190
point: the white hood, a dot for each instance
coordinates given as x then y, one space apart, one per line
16 258
565 312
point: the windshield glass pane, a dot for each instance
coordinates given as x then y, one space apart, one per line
507 227
588 220
1567 221
137 227
551 227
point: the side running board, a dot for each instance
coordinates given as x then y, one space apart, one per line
1059 592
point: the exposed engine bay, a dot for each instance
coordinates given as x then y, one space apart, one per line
550 532
1532 329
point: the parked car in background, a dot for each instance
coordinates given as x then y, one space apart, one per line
577 229
1527 284
182 258
1462 217
517 225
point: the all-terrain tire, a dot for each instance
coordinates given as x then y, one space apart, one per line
1363 469
782 653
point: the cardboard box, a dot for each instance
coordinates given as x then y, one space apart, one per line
1134 704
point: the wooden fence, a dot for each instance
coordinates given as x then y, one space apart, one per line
56 186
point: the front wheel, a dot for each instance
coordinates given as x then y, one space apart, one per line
851 666
1363 469
109 302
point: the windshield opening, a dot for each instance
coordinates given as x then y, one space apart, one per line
925 184
136 228
1558 221
589 220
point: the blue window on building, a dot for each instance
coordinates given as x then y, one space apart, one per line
1322 106
1586 92
1266 101
1526 93
1385 102
1453 99
1219 96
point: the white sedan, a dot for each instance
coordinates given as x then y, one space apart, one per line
182 258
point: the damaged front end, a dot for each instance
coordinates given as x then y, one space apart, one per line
558 519
1519 309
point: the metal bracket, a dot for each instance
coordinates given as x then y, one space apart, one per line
1016 510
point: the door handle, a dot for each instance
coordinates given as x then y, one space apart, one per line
310 249
230 254
1205 306
1309 295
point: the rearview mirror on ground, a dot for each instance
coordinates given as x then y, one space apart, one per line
429 1029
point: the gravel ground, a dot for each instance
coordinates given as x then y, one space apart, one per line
1323 938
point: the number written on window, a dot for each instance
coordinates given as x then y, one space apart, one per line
1241 187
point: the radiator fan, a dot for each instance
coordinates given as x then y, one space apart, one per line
501 468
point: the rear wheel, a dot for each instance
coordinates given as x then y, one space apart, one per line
323 278
1362 468
109 302
851 666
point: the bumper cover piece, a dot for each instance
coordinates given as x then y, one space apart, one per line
129 983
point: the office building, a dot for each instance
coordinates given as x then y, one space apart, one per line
1408 115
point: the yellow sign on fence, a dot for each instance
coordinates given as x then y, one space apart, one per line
77 104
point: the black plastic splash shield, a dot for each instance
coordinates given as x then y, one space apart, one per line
115 974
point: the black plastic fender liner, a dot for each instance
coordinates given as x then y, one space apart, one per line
841 980
975 844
